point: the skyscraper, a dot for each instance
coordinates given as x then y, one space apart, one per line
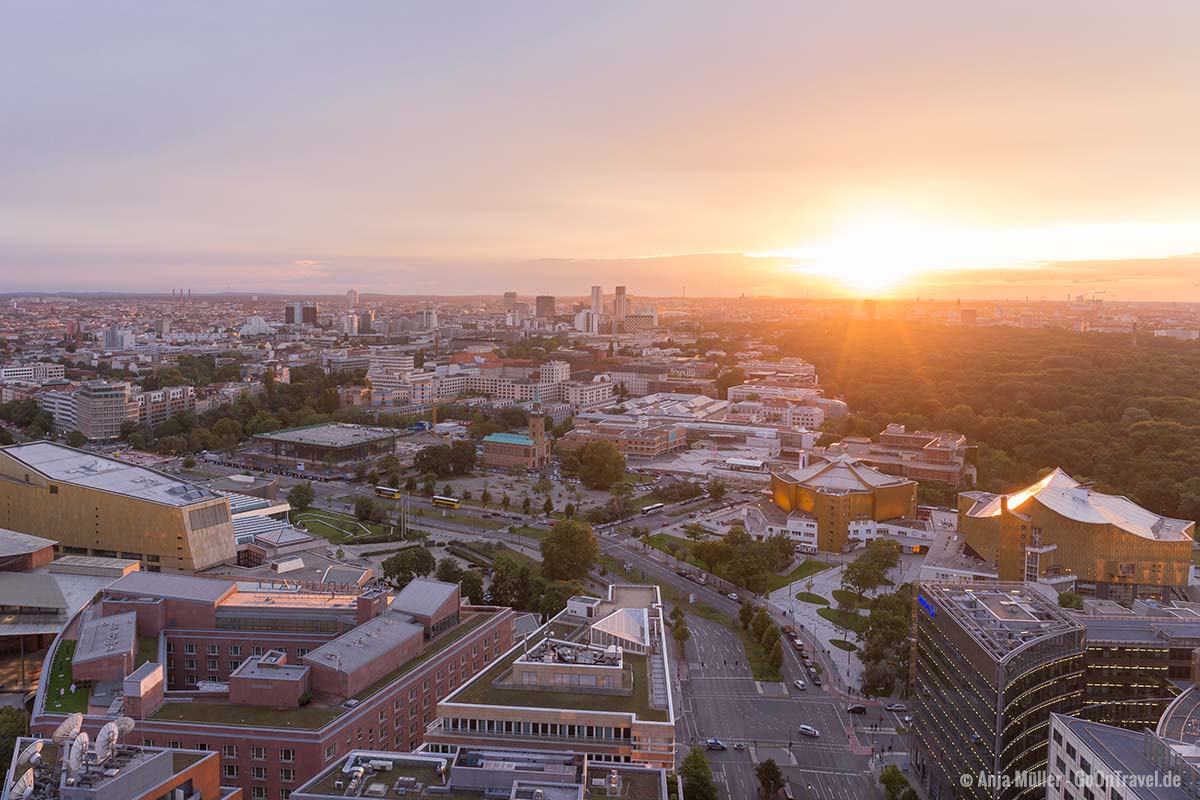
299 312
620 304
597 301
544 305
352 298
510 301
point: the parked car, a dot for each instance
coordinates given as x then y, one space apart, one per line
801 685
683 573
816 680
733 596
899 708
856 708
714 744
809 730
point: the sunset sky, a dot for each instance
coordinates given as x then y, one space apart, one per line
794 148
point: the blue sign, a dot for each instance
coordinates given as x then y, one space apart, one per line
925 604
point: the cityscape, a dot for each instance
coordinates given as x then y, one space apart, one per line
670 401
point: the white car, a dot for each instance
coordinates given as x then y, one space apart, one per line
809 730
801 685
899 708
733 596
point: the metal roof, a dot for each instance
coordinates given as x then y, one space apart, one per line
30 590
360 646
842 474
81 468
509 438
422 596
14 543
330 434
176 587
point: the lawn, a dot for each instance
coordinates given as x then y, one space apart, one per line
756 657
851 599
812 597
337 528
808 567
842 644
60 679
853 622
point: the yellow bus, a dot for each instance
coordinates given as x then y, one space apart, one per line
446 502
387 491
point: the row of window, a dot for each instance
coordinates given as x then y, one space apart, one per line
257 753
191 649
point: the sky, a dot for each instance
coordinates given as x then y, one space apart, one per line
788 148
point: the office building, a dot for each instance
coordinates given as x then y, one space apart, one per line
484 773
595 679
74 768
350 324
1102 545
281 680
510 301
366 320
119 339
642 439
352 298
300 312
837 505
427 319
993 662
517 451
585 396
330 443
32 372
544 306
620 304
97 506
597 307
389 368
102 407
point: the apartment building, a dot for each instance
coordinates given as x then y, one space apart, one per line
158 405
281 680
586 396
102 407
32 372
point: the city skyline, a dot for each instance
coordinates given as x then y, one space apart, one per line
798 151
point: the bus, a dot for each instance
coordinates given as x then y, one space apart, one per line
653 508
446 502
387 491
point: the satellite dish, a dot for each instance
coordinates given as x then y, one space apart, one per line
22 787
106 740
67 730
125 725
30 756
77 754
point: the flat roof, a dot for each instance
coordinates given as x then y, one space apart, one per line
1002 617
372 640
101 637
30 590
330 434
81 468
253 667
175 587
15 543
1124 752
422 596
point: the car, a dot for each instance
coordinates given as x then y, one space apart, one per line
683 573
816 680
796 643
856 708
897 707
907 719
801 685
808 662
714 744
739 746
733 596
809 730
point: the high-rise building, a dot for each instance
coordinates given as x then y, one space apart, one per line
101 407
366 320
119 339
544 306
620 304
427 319
162 327
352 298
597 301
300 312
350 324
993 662
389 367
510 301
1110 546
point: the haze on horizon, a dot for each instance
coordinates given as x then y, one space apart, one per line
787 148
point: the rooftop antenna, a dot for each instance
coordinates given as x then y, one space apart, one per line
22 787
31 756
77 755
67 730
106 740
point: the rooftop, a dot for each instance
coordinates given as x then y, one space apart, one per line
81 468
1076 501
509 438
101 637
13 543
423 596
1001 617
361 645
1124 751
330 434
31 590
174 587
842 474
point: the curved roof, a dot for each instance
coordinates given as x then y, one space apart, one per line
1069 498
841 474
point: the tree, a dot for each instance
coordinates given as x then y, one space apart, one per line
548 506
569 551
301 496
436 459
429 485
775 656
485 497
746 615
681 633
910 794
410 484
697 776
569 510
14 723
526 505
893 781
716 489
1070 600
760 623
448 570
401 568
471 587
76 439
600 465
770 777
367 510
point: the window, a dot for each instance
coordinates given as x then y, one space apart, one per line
301 651
170 648
330 750
190 680
258 773
213 650
200 746
287 755
235 649
284 794
256 650
229 770
213 666
189 649
147 742
229 750
258 753
233 665
174 745
258 792
189 663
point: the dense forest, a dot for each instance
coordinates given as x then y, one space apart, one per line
1118 409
